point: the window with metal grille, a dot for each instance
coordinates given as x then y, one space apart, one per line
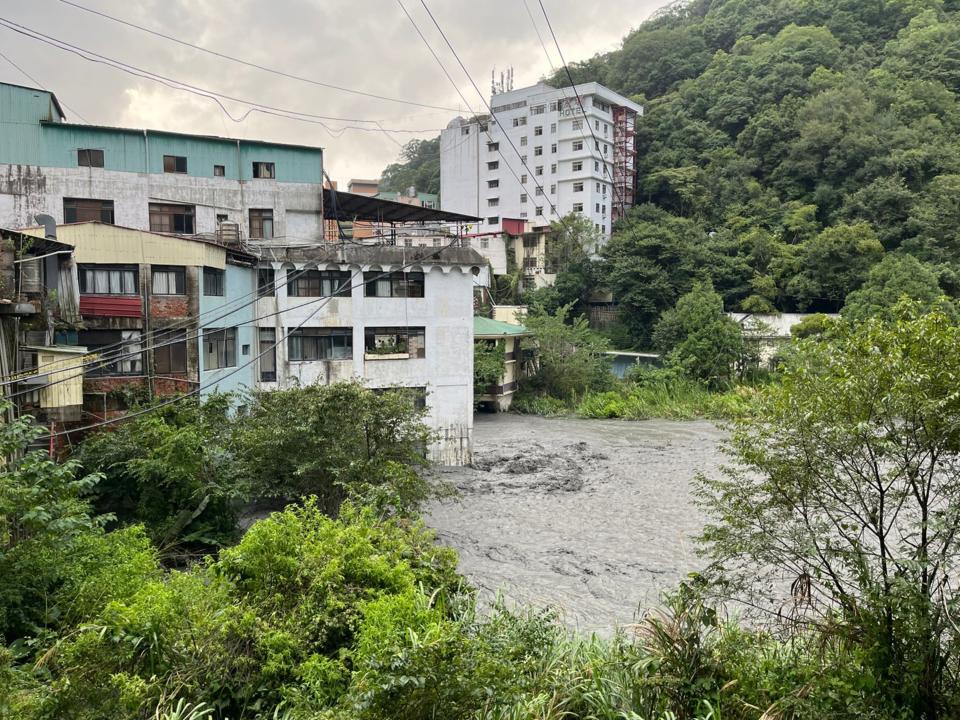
268 355
320 283
89 157
264 170
310 344
174 164
266 277
170 352
396 284
395 340
166 280
85 210
122 354
108 279
178 219
219 348
214 282
219 171
261 224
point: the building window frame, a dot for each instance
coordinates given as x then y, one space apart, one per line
261 223
320 283
170 355
395 340
173 218
219 348
214 282
88 210
264 170
97 279
315 344
168 280
176 164
394 285
90 157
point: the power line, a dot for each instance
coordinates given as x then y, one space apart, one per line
433 253
583 112
553 208
536 29
252 106
264 68
40 85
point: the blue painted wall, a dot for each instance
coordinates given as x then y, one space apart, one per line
31 134
239 301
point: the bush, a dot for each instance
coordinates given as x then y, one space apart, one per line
529 403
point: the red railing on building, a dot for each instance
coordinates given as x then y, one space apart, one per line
110 306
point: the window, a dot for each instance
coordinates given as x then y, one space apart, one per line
493 183
530 241
578 124
537 110
553 148
221 218
604 188
578 187
493 165
396 284
538 191
174 164
523 197
539 170
553 189
310 344
219 348
395 340
495 220
523 160
598 187
578 144
578 207
168 280
596 165
553 168
213 282
170 354
553 128
493 202
129 361
320 283
597 208
268 354
538 130
596 124
538 151
219 171
577 166
605 146
523 141
83 210
484 243
108 279
172 218
523 214
483 127
493 146
603 209
539 211
264 170
465 130
518 121
529 263
523 179
89 157
554 105
606 129
261 224
266 279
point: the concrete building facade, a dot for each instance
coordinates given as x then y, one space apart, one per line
540 157
151 180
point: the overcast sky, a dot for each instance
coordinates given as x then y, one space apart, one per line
367 45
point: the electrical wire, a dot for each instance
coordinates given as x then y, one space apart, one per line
40 85
490 139
620 201
252 106
274 346
264 68
536 28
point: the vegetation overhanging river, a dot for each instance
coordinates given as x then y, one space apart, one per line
591 517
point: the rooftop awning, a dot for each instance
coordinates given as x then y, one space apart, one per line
350 206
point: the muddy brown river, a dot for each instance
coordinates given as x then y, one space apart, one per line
591 517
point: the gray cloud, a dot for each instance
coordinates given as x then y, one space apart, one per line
365 44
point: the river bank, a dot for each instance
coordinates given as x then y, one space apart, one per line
593 517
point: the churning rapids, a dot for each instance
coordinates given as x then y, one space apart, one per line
591 517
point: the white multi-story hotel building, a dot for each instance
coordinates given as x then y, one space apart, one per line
540 156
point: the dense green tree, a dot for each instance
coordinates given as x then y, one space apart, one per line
845 496
890 280
419 167
697 337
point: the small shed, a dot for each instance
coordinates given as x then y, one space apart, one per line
59 378
508 335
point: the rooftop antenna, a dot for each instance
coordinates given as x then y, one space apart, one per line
493 81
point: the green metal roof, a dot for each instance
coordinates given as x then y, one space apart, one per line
485 327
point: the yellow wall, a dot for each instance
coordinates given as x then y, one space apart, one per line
67 385
98 243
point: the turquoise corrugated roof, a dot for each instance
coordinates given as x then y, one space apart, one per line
485 327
